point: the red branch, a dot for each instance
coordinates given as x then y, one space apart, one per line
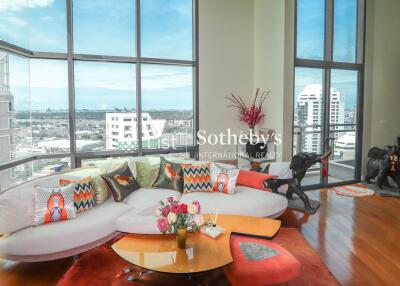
253 114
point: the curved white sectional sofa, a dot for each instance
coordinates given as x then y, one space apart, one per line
96 226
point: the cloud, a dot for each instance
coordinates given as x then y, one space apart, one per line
13 21
105 75
18 5
52 74
159 80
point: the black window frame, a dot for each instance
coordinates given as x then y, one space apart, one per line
327 65
138 60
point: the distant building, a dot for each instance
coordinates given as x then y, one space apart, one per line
345 147
63 145
176 139
121 130
310 107
7 118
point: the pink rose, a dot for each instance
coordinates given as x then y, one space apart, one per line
165 211
197 204
192 209
175 209
170 199
162 224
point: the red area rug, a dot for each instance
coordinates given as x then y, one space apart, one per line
101 265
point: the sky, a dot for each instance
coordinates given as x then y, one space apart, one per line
106 27
101 27
310 45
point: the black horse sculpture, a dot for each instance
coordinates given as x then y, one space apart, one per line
382 164
298 166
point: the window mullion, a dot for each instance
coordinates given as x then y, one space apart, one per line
71 86
329 18
138 80
360 31
195 43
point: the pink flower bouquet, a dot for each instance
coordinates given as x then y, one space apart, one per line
172 216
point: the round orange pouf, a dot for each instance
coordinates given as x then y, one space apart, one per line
258 262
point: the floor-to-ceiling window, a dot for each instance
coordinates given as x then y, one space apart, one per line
328 95
84 79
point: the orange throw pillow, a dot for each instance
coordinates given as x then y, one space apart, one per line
253 179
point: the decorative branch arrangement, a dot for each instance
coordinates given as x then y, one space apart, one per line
253 114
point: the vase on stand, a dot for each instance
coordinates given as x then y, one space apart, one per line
255 148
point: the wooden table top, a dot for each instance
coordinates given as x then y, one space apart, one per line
160 253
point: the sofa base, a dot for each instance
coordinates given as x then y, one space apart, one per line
61 254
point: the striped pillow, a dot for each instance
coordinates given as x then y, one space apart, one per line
196 178
83 193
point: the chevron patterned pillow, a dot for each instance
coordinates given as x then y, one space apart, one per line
83 193
196 178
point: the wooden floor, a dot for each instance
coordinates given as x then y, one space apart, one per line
357 238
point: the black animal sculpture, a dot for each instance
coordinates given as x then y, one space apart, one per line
382 164
299 166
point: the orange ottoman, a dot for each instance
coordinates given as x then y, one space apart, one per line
259 262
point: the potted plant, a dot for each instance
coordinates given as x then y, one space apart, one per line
251 115
176 218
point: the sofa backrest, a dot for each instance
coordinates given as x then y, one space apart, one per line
18 203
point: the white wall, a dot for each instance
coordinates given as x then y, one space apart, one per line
243 45
226 64
274 53
382 92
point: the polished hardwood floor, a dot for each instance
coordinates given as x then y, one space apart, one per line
357 238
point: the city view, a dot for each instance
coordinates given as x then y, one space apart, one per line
42 131
309 120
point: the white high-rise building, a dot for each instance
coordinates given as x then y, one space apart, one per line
121 130
310 107
7 117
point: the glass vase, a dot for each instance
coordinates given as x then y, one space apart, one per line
181 234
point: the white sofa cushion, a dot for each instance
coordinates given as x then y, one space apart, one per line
17 204
142 223
51 238
142 219
143 199
245 201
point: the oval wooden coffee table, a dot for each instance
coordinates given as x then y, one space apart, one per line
160 253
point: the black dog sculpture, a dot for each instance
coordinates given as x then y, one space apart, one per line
384 163
298 166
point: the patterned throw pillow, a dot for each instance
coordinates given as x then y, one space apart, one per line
169 176
83 193
146 174
223 179
196 178
121 182
53 204
101 192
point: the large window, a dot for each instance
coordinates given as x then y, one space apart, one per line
105 106
91 79
167 106
327 95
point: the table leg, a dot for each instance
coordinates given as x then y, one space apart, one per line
136 277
